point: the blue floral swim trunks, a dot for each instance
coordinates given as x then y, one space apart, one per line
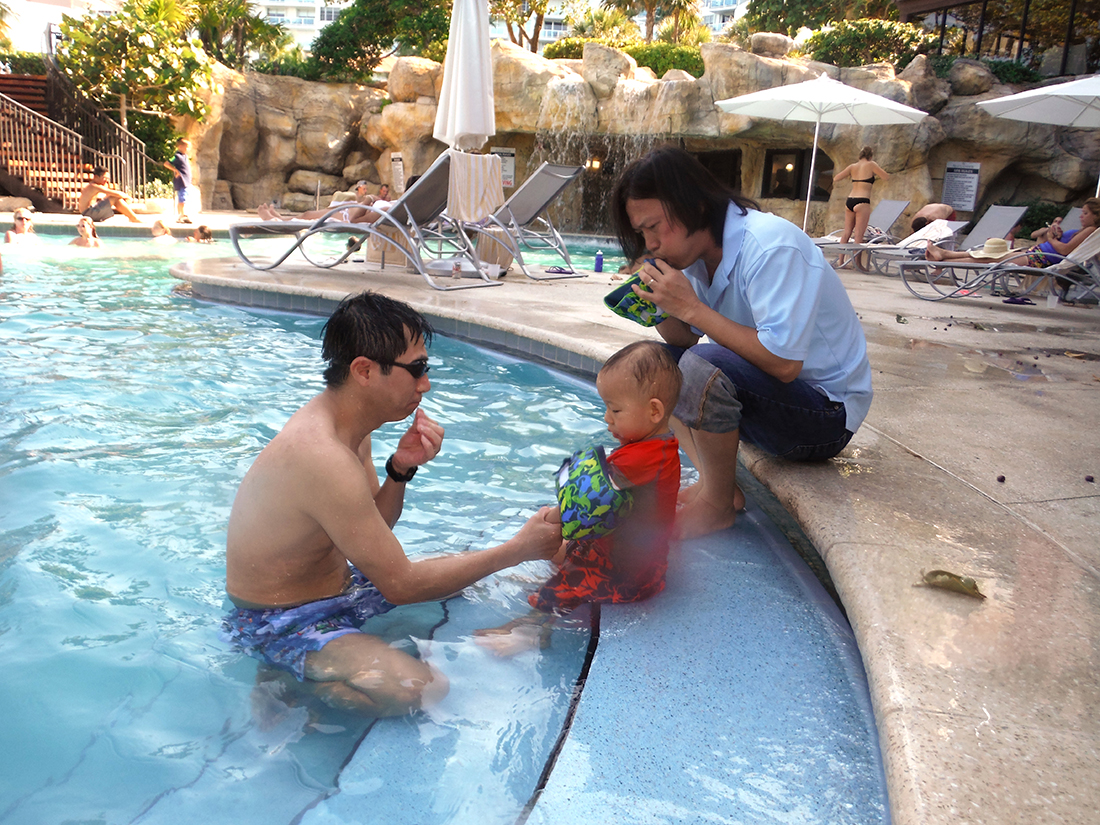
282 636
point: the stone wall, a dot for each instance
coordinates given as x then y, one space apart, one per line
286 140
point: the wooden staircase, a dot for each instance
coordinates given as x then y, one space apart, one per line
51 137
29 89
38 155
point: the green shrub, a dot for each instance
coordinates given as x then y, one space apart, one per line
24 62
1039 214
436 50
290 66
1006 71
1009 71
572 48
859 42
664 56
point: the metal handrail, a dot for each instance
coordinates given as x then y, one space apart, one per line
106 143
44 154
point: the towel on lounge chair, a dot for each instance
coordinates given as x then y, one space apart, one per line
476 186
935 231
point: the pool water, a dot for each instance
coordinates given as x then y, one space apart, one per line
132 415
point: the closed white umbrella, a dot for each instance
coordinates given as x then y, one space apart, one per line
467 115
1075 103
822 100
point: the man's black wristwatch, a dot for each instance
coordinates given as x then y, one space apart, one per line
393 474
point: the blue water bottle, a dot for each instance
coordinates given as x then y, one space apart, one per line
599 260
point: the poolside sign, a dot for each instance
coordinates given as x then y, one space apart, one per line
397 168
507 164
960 185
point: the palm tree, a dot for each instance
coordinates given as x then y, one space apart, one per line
610 24
632 7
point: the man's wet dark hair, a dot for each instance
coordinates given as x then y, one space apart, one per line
99 171
373 326
691 195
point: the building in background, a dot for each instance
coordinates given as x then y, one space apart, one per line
32 22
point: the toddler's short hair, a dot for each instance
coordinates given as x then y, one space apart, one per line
653 367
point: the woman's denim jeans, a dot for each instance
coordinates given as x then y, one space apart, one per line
723 392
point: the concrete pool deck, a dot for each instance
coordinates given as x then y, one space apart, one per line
975 459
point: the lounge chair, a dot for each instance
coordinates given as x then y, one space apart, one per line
883 217
884 258
402 231
520 222
937 280
1072 220
997 222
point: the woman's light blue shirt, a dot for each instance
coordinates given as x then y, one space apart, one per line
774 279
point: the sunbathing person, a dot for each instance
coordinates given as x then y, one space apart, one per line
352 213
1054 243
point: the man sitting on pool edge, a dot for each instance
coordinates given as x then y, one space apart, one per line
310 552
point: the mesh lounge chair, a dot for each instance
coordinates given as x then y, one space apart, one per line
884 258
997 222
883 217
935 281
403 230
520 222
1072 220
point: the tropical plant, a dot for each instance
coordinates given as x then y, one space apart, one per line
140 58
606 24
24 62
232 31
634 7
679 16
349 48
788 16
421 26
517 15
664 56
860 42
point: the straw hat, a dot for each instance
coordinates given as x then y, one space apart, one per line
992 248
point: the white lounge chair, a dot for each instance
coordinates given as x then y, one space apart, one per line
521 221
883 217
937 280
403 231
884 258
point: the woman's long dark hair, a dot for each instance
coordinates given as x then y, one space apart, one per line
691 195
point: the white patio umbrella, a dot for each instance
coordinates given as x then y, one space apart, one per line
818 101
1075 103
466 116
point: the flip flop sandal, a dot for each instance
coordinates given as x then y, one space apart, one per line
1018 299
559 270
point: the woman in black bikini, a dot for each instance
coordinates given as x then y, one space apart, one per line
864 172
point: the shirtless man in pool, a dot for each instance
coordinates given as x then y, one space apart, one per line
310 550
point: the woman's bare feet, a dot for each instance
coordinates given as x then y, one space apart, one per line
933 252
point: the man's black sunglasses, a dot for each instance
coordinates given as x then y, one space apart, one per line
417 369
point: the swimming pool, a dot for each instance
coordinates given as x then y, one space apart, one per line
133 415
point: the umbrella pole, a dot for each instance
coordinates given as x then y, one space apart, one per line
813 168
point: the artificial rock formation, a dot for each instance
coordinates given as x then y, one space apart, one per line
283 139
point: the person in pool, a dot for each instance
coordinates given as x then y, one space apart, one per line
86 234
639 385
22 230
310 550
